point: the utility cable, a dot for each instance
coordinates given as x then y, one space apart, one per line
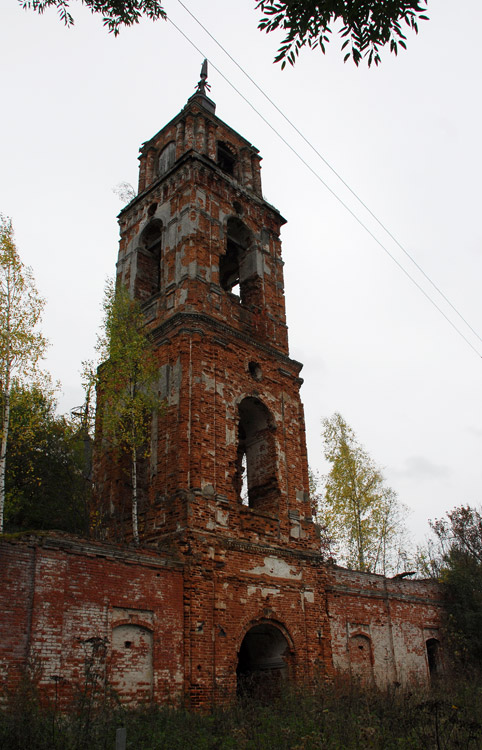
334 171
330 190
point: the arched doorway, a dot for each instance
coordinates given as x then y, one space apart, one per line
263 662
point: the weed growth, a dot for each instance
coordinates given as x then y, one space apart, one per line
338 716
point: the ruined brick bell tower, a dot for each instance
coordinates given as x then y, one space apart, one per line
200 249
227 591
226 481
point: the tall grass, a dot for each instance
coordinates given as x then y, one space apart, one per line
336 716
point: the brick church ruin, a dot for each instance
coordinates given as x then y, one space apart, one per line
228 581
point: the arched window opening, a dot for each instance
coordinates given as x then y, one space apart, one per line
167 157
361 661
433 657
255 477
262 662
237 267
149 261
254 369
229 268
226 158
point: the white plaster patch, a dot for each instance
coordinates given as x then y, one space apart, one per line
275 568
264 591
295 531
222 517
131 662
208 382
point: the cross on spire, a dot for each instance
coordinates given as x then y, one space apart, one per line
203 86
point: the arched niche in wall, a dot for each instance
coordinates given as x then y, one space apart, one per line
238 265
131 665
256 482
433 657
361 658
167 157
148 277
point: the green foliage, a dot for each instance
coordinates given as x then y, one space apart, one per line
364 25
126 382
115 13
47 475
128 372
333 716
459 567
21 345
361 513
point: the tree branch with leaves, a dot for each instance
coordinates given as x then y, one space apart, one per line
115 13
365 26
21 344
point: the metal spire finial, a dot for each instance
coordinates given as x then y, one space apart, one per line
203 86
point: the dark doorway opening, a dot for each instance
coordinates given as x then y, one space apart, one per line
262 663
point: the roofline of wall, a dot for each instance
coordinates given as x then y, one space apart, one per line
79 546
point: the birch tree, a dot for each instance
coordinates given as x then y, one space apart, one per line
21 344
363 515
125 383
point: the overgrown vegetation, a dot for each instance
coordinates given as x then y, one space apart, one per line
22 346
337 716
454 557
48 467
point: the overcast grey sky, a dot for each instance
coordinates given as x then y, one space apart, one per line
76 105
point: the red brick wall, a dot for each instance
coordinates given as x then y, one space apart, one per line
396 616
61 593
173 629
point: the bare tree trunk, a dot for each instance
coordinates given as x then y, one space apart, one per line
135 530
3 447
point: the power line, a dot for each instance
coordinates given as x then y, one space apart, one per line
334 171
335 195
